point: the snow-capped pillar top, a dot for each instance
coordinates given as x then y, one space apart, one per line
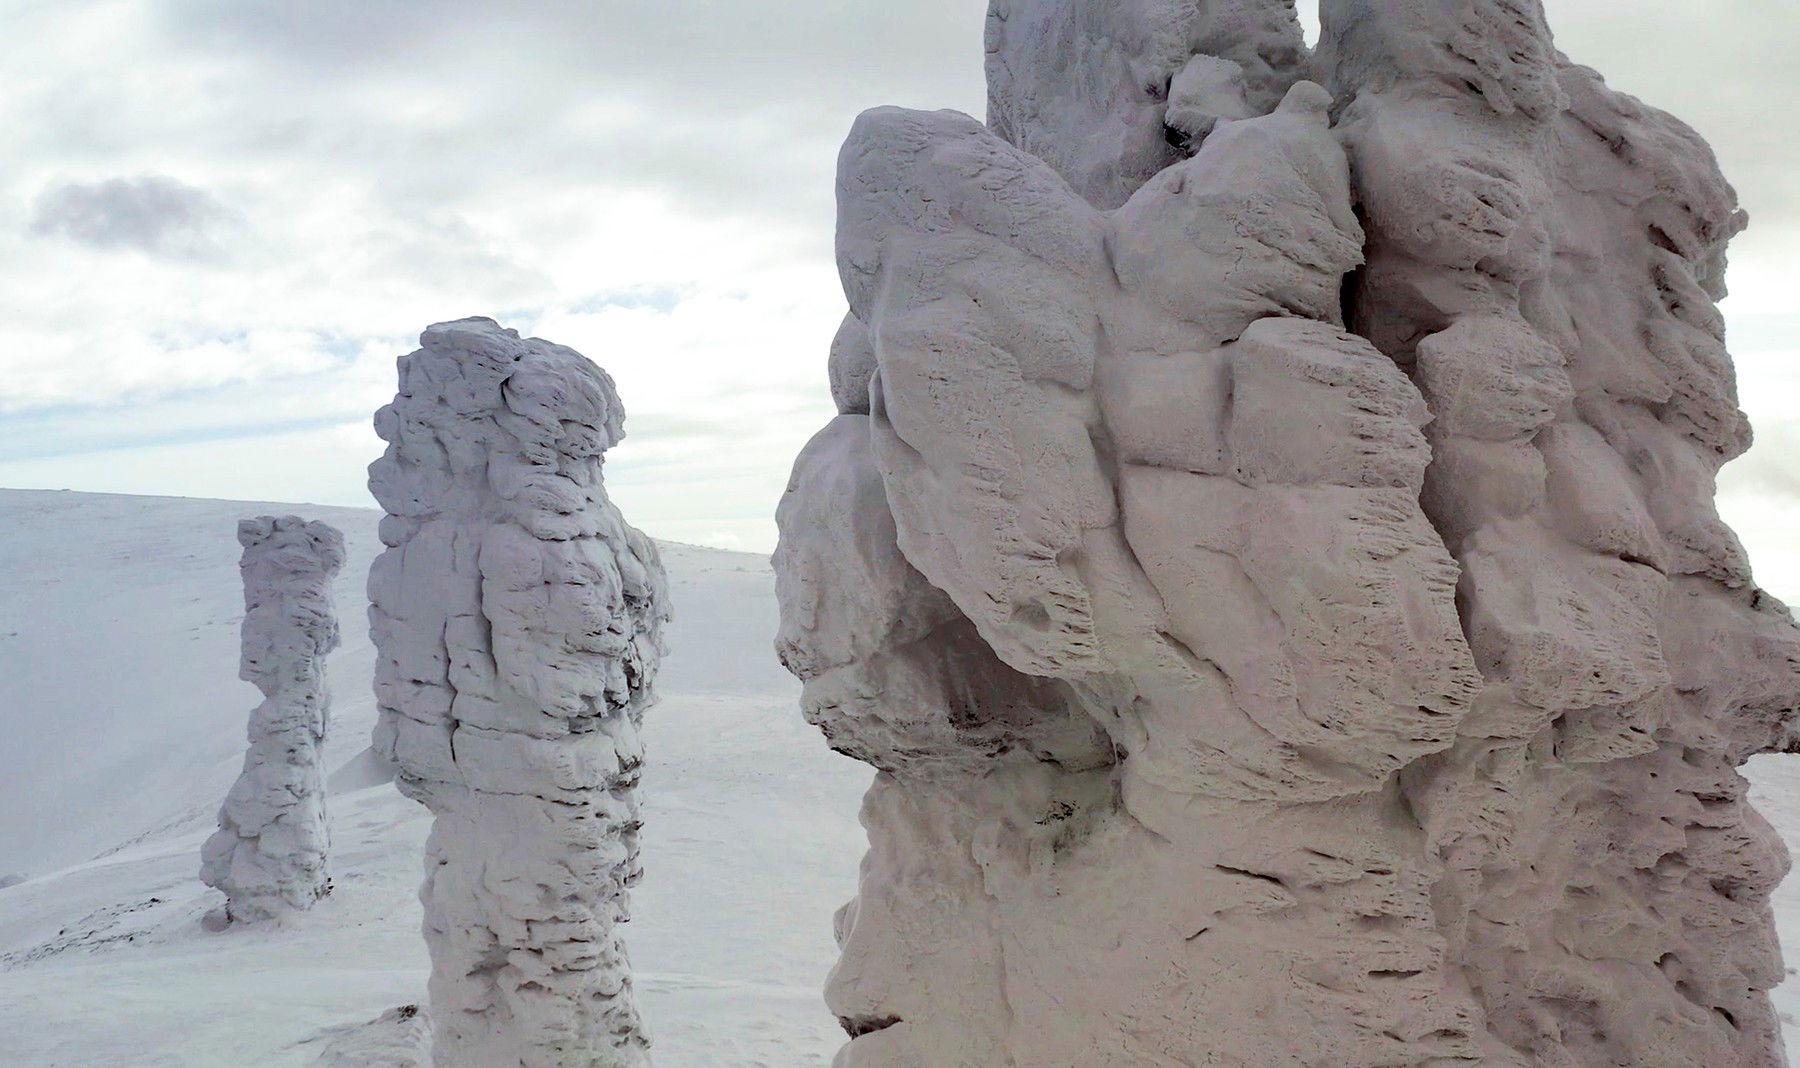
288 566
1109 92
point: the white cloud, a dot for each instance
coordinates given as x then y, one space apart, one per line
649 183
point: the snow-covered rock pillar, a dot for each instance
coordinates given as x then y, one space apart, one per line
518 621
1122 564
1545 258
269 852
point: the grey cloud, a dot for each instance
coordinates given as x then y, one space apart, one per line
742 53
406 162
730 108
152 213
745 101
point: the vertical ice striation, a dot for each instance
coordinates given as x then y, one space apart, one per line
1253 687
518 621
269 852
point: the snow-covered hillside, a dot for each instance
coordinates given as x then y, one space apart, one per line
121 726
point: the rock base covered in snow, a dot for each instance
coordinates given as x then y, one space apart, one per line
398 1038
518 623
1267 549
270 850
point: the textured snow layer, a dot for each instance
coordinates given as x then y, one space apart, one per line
270 849
1253 687
519 621
1545 254
727 970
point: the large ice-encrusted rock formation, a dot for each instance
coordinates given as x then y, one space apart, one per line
518 621
1544 257
1249 686
269 852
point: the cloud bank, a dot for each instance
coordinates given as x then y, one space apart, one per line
152 213
220 222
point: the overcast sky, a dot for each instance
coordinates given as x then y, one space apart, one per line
221 220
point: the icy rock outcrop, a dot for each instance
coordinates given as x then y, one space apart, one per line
1250 690
269 852
518 621
1545 254
1109 91
1121 580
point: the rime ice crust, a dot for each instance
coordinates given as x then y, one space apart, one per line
1545 254
1107 91
1111 581
1250 690
518 621
269 853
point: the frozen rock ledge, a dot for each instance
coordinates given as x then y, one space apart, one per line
518 624
269 852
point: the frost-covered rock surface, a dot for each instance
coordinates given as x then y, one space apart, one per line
1108 91
1545 254
270 851
519 626
1251 686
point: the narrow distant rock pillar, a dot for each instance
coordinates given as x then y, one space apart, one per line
518 623
270 850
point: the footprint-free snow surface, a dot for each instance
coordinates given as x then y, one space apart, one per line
122 725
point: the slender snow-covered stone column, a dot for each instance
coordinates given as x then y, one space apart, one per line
1123 565
270 850
518 621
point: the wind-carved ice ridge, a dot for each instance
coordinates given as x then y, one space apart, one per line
518 625
270 851
1267 549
